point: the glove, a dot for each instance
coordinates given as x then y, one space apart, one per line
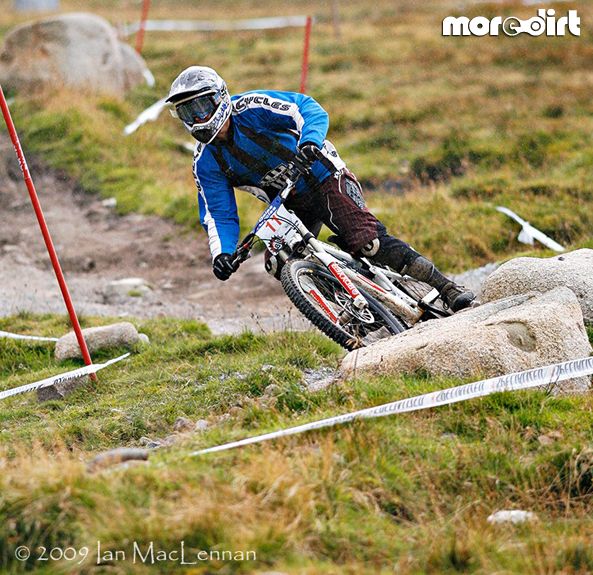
223 266
275 180
307 155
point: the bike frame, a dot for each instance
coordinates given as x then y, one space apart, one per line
339 263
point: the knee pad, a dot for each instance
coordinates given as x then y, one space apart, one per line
420 268
395 253
371 248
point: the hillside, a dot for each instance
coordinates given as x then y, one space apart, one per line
409 493
440 130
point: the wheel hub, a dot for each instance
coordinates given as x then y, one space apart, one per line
363 315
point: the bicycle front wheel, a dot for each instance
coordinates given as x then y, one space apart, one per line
322 299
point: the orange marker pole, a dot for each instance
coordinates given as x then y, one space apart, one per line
142 29
305 68
44 230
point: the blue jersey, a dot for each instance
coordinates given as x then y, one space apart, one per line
266 130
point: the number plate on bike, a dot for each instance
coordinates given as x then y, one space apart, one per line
278 230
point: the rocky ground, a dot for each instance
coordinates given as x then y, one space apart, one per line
96 247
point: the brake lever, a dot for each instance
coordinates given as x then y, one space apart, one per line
243 252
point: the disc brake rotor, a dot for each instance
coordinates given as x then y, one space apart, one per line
363 315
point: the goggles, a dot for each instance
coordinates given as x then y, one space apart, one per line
198 109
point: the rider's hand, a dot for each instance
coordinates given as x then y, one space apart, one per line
306 156
223 266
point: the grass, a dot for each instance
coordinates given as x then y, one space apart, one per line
440 130
408 494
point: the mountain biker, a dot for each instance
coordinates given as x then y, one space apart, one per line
248 140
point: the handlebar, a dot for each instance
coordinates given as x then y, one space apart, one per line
243 252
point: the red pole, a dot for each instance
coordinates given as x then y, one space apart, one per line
305 68
44 229
142 29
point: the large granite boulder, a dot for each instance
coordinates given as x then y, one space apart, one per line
497 338
80 50
521 275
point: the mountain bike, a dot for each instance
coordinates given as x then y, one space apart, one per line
352 300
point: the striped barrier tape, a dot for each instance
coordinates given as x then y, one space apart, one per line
86 370
216 25
9 335
528 233
536 377
149 115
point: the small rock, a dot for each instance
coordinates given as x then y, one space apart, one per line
97 338
88 264
62 389
22 259
116 456
125 288
183 424
319 379
549 438
267 367
109 203
149 443
236 374
144 338
272 390
169 440
235 411
201 425
515 516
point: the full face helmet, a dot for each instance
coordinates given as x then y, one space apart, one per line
200 99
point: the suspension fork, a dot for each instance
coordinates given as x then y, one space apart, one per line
402 305
333 265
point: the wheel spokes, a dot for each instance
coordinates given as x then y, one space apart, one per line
337 305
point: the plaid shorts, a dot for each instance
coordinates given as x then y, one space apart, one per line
338 203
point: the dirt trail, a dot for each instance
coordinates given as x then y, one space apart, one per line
96 246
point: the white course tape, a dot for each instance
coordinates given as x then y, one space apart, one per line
528 233
216 25
29 337
515 381
149 115
149 78
86 370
